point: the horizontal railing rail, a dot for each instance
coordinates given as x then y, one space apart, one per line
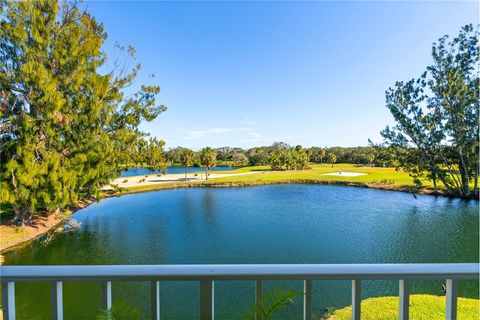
207 274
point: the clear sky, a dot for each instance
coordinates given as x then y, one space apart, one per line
250 73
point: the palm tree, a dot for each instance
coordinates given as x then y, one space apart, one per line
332 158
187 157
208 159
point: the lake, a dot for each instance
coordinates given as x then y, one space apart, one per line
265 224
170 170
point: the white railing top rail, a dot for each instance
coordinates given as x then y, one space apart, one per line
435 271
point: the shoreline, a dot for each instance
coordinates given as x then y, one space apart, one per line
234 184
22 241
41 226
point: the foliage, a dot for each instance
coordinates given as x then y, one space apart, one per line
187 159
208 158
317 154
120 311
331 158
272 302
65 127
235 155
437 131
154 155
287 158
257 156
238 157
174 155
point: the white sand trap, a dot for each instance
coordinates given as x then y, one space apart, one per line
345 174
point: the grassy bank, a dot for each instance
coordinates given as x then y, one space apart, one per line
422 307
380 178
316 173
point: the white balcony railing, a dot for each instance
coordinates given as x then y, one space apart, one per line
208 274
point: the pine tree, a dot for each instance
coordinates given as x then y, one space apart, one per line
65 127
437 116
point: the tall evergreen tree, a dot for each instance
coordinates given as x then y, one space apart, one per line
437 115
65 127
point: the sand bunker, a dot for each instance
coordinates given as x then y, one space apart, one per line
344 174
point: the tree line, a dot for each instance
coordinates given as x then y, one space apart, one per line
258 156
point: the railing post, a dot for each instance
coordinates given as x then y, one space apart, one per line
4 300
8 300
404 299
258 291
57 300
356 299
258 294
452 293
307 300
106 295
155 300
206 300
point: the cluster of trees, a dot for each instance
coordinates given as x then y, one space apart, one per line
66 129
437 132
226 156
281 156
355 155
207 158
287 158
147 153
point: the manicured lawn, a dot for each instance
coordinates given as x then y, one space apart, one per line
385 176
422 307
381 178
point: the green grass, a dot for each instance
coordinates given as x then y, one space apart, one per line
381 178
422 307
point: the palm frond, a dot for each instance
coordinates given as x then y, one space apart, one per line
271 303
120 311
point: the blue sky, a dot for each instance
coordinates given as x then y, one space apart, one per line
250 73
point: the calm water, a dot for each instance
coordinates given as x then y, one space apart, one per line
268 224
171 170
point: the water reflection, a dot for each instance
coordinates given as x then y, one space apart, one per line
187 205
210 205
